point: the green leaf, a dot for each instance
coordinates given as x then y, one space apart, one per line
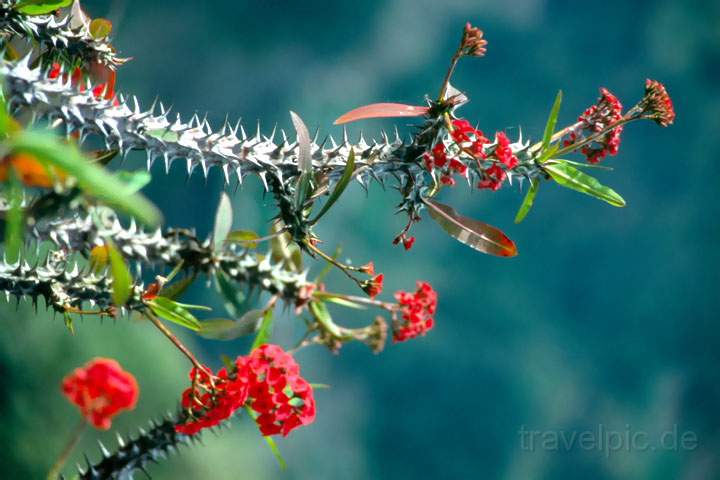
284 250
477 235
340 187
322 315
175 289
264 332
190 306
164 134
234 298
134 181
573 178
227 329
172 312
551 121
329 297
245 237
223 221
91 178
121 279
41 7
276 452
68 320
581 164
304 157
14 222
528 201
100 28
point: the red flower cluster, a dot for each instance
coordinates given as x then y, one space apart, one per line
657 103
467 138
268 381
213 398
283 399
104 90
495 175
101 389
605 112
416 310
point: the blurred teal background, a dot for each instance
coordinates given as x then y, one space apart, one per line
607 319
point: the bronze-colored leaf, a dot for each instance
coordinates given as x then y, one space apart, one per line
381 110
473 233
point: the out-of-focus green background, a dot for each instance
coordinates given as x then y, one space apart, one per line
607 319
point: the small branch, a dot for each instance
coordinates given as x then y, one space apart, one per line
175 340
69 446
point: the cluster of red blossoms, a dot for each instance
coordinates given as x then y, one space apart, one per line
101 389
472 142
657 104
105 89
417 310
607 111
268 381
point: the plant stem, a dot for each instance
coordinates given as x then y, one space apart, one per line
175 340
69 446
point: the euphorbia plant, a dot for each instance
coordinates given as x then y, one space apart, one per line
59 193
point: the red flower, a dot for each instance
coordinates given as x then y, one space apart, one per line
657 104
494 178
374 286
439 155
607 111
417 310
282 398
447 180
101 389
503 152
408 242
458 166
368 268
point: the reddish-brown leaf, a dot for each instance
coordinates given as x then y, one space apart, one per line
381 110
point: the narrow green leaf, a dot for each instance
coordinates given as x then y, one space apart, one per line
340 187
581 164
175 289
91 178
276 452
121 279
223 221
227 329
552 121
244 237
14 222
302 190
41 7
134 181
304 157
68 320
190 306
574 179
234 299
264 332
164 135
169 310
473 233
322 315
328 297
528 201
